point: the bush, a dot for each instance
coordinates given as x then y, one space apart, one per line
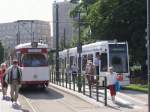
137 87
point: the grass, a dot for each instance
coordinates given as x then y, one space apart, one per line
137 87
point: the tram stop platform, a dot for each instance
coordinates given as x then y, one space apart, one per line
124 102
6 105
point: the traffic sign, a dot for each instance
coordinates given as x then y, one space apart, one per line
79 47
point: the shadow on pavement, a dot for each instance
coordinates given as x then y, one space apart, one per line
132 92
7 98
124 105
24 110
38 93
18 107
119 105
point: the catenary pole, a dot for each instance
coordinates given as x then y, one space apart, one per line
79 50
57 43
148 50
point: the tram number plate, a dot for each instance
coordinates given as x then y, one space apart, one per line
35 76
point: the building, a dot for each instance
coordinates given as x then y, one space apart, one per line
22 31
66 29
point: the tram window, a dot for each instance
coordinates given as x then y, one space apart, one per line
116 60
84 61
118 57
76 60
71 60
65 62
119 62
34 60
103 58
60 64
90 57
19 58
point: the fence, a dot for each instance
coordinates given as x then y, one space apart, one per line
89 84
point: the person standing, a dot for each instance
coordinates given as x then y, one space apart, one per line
14 79
3 81
68 72
111 80
90 72
74 69
97 63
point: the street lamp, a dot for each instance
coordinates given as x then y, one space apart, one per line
79 46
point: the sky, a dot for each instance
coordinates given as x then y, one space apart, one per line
13 10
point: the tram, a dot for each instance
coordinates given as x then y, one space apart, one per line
112 53
33 59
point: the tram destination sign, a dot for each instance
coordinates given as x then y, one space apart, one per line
34 50
117 48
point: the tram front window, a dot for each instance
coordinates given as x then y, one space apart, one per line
119 62
34 60
118 58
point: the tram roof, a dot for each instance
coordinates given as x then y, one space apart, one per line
103 43
99 43
91 46
28 45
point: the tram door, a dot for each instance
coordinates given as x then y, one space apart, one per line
104 62
103 67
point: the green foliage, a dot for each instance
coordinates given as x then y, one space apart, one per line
136 87
51 58
124 20
74 1
1 53
135 68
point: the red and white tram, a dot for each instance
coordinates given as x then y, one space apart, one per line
33 59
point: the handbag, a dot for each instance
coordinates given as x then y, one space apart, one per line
120 77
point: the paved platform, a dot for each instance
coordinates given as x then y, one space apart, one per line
6 105
123 101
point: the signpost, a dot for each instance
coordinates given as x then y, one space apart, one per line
57 44
79 50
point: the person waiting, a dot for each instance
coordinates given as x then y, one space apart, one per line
97 63
74 69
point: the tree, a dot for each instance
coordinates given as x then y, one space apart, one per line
124 20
